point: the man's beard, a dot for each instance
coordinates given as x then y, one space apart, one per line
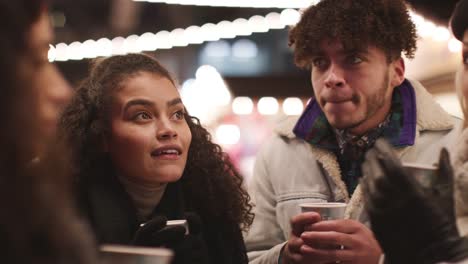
374 102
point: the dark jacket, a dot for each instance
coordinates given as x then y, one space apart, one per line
113 218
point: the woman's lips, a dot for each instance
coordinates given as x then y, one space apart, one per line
170 152
166 156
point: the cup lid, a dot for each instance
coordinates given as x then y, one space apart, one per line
415 165
162 252
323 204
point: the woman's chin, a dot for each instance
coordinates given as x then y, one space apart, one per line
169 177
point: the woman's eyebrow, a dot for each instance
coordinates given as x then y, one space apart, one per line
174 101
138 102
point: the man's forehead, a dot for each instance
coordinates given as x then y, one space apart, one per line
337 46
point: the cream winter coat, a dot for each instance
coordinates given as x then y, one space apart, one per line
290 171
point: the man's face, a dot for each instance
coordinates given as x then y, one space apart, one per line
354 87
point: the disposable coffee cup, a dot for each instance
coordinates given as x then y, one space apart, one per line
328 211
118 254
424 174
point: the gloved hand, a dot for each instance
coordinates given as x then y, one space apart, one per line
413 224
192 249
188 249
155 233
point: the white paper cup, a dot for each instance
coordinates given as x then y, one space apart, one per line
118 254
424 174
328 211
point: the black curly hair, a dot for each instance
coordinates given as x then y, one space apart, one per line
385 24
209 181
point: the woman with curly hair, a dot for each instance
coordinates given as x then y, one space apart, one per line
37 222
140 159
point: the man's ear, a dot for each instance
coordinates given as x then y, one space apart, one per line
397 74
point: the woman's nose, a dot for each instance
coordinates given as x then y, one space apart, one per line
166 130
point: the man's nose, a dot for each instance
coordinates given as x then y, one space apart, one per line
334 77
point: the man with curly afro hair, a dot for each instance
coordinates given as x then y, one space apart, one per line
353 49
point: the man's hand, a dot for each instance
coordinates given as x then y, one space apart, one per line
347 241
292 250
314 241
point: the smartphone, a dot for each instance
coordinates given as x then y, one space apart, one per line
179 222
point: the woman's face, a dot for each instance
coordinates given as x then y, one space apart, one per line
149 138
49 88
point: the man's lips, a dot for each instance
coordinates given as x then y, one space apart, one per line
335 101
338 106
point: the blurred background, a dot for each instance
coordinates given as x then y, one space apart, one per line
231 57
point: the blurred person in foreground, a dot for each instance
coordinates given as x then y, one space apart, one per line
37 221
353 49
416 224
141 159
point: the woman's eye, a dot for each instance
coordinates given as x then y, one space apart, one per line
142 116
465 59
179 115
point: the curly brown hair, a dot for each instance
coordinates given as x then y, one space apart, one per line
356 24
209 181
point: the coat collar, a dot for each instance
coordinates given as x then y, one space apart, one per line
430 115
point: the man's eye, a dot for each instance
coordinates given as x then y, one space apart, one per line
319 63
354 59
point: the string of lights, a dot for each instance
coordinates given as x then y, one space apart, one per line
212 32
176 38
239 3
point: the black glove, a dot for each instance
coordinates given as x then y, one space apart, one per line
412 224
155 233
192 249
